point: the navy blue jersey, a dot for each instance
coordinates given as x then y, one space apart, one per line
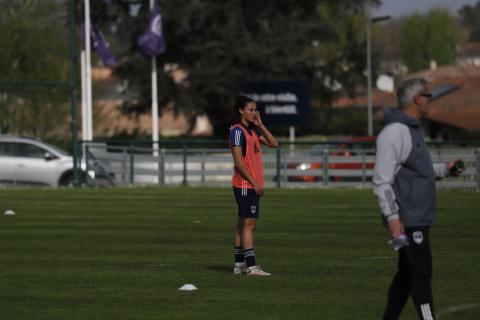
238 139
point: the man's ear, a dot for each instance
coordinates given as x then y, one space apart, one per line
415 98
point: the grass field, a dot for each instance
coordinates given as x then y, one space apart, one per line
123 254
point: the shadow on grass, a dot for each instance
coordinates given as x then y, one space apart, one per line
220 268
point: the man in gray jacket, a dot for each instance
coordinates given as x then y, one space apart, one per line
404 183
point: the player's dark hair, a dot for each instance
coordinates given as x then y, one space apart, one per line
241 102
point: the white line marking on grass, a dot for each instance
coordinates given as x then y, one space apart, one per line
378 258
454 309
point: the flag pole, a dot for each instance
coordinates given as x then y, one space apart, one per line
83 75
88 73
154 101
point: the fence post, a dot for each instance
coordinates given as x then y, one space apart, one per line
132 166
184 164
279 163
478 169
203 168
159 167
325 167
162 167
86 165
124 166
364 167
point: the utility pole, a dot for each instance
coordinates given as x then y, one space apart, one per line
370 21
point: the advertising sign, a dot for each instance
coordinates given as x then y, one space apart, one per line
281 102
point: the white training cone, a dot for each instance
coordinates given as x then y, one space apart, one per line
9 212
187 287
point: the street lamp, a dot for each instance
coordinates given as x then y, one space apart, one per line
369 68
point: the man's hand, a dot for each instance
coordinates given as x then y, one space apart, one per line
455 167
397 232
399 242
395 228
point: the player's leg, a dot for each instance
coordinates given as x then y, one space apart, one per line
399 289
239 258
238 232
251 213
421 273
248 231
249 227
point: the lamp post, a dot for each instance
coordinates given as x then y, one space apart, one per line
369 68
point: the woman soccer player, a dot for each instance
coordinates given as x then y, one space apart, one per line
247 180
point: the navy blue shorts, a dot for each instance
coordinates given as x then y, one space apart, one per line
248 203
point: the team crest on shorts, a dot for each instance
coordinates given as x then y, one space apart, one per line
417 237
253 209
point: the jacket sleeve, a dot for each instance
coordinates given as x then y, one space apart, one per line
394 144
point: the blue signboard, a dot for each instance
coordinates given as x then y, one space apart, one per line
281 102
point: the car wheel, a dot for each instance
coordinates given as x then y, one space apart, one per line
67 181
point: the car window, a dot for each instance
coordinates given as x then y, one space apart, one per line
26 150
6 149
57 149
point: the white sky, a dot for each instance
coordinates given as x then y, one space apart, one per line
398 8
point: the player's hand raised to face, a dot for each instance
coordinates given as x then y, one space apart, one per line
258 120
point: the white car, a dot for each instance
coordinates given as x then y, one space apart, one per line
27 161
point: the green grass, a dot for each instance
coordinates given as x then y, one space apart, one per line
123 254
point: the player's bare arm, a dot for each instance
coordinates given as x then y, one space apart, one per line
267 138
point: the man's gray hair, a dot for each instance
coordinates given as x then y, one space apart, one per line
408 89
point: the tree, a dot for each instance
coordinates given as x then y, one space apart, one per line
222 43
470 18
431 37
35 47
385 38
340 57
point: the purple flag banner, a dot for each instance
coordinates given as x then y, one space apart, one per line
101 46
152 42
99 43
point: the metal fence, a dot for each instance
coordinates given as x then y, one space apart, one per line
290 165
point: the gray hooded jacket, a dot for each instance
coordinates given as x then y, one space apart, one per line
404 177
